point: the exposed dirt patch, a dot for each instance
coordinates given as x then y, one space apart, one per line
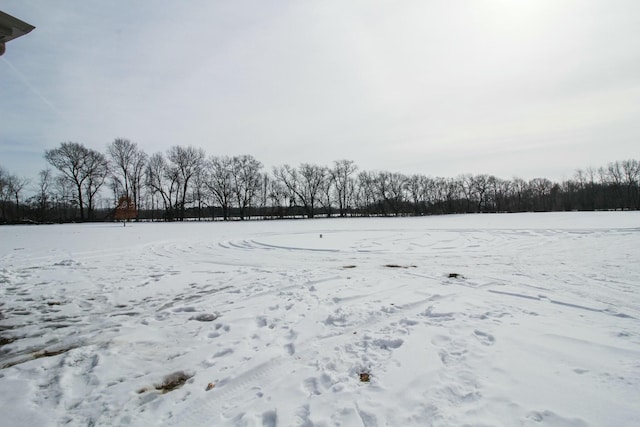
399 266
173 381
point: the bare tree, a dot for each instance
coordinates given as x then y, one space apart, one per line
162 181
199 190
439 198
615 178
500 192
43 196
220 182
341 174
541 192
312 180
65 197
128 163
122 151
480 185
452 192
580 179
16 185
246 181
397 191
97 169
5 193
429 195
520 190
416 187
390 191
137 176
263 196
280 196
631 174
328 194
467 187
366 191
593 190
185 161
288 178
70 160
304 184
84 167
382 190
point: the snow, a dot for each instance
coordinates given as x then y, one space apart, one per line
278 319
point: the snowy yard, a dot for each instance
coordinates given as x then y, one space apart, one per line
274 321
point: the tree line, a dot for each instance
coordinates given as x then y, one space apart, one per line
183 183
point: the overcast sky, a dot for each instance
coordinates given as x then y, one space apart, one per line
524 88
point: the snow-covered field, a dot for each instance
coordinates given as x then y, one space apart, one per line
279 319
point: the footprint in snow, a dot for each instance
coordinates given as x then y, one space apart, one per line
550 418
451 357
205 317
290 348
387 344
484 337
